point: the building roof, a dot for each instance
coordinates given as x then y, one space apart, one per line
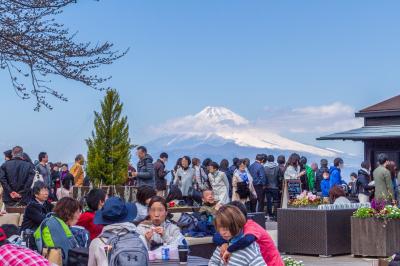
365 133
388 107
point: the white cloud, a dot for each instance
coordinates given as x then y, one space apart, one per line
331 110
312 119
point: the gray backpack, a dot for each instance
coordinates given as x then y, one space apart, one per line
127 249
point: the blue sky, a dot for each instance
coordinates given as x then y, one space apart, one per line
249 56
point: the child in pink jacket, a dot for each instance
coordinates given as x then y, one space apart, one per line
252 232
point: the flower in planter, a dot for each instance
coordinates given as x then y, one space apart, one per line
364 212
292 262
305 199
311 196
302 195
378 205
387 212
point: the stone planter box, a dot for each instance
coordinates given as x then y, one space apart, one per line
314 232
372 237
125 192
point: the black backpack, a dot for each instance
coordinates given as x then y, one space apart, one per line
187 222
78 257
243 190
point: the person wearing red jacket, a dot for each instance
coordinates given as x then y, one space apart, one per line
95 201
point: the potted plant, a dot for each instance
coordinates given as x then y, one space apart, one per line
375 230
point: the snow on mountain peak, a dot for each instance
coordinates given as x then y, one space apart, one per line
220 115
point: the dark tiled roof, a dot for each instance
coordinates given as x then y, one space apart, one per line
392 104
369 132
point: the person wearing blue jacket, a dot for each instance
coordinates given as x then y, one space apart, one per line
335 178
325 186
260 180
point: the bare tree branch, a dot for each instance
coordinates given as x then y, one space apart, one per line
34 47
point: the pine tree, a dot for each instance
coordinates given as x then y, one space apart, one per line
109 147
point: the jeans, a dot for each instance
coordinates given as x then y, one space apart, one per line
260 191
272 200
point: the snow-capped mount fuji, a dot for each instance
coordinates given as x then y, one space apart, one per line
220 132
220 115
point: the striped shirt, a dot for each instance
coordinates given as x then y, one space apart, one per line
250 256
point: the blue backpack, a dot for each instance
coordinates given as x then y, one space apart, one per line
81 235
54 233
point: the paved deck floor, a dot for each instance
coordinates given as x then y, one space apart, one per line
317 261
335 261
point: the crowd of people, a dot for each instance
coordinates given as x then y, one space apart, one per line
262 185
18 174
55 221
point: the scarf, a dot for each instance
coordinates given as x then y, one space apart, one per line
244 177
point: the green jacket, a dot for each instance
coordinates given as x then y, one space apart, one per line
383 183
46 234
55 233
310 178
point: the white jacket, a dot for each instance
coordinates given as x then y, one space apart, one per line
220 185
172 234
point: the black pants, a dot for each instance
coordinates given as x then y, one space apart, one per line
251 205
260 190
272 200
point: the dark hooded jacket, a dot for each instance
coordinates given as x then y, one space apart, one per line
145 172
272 173
363 179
